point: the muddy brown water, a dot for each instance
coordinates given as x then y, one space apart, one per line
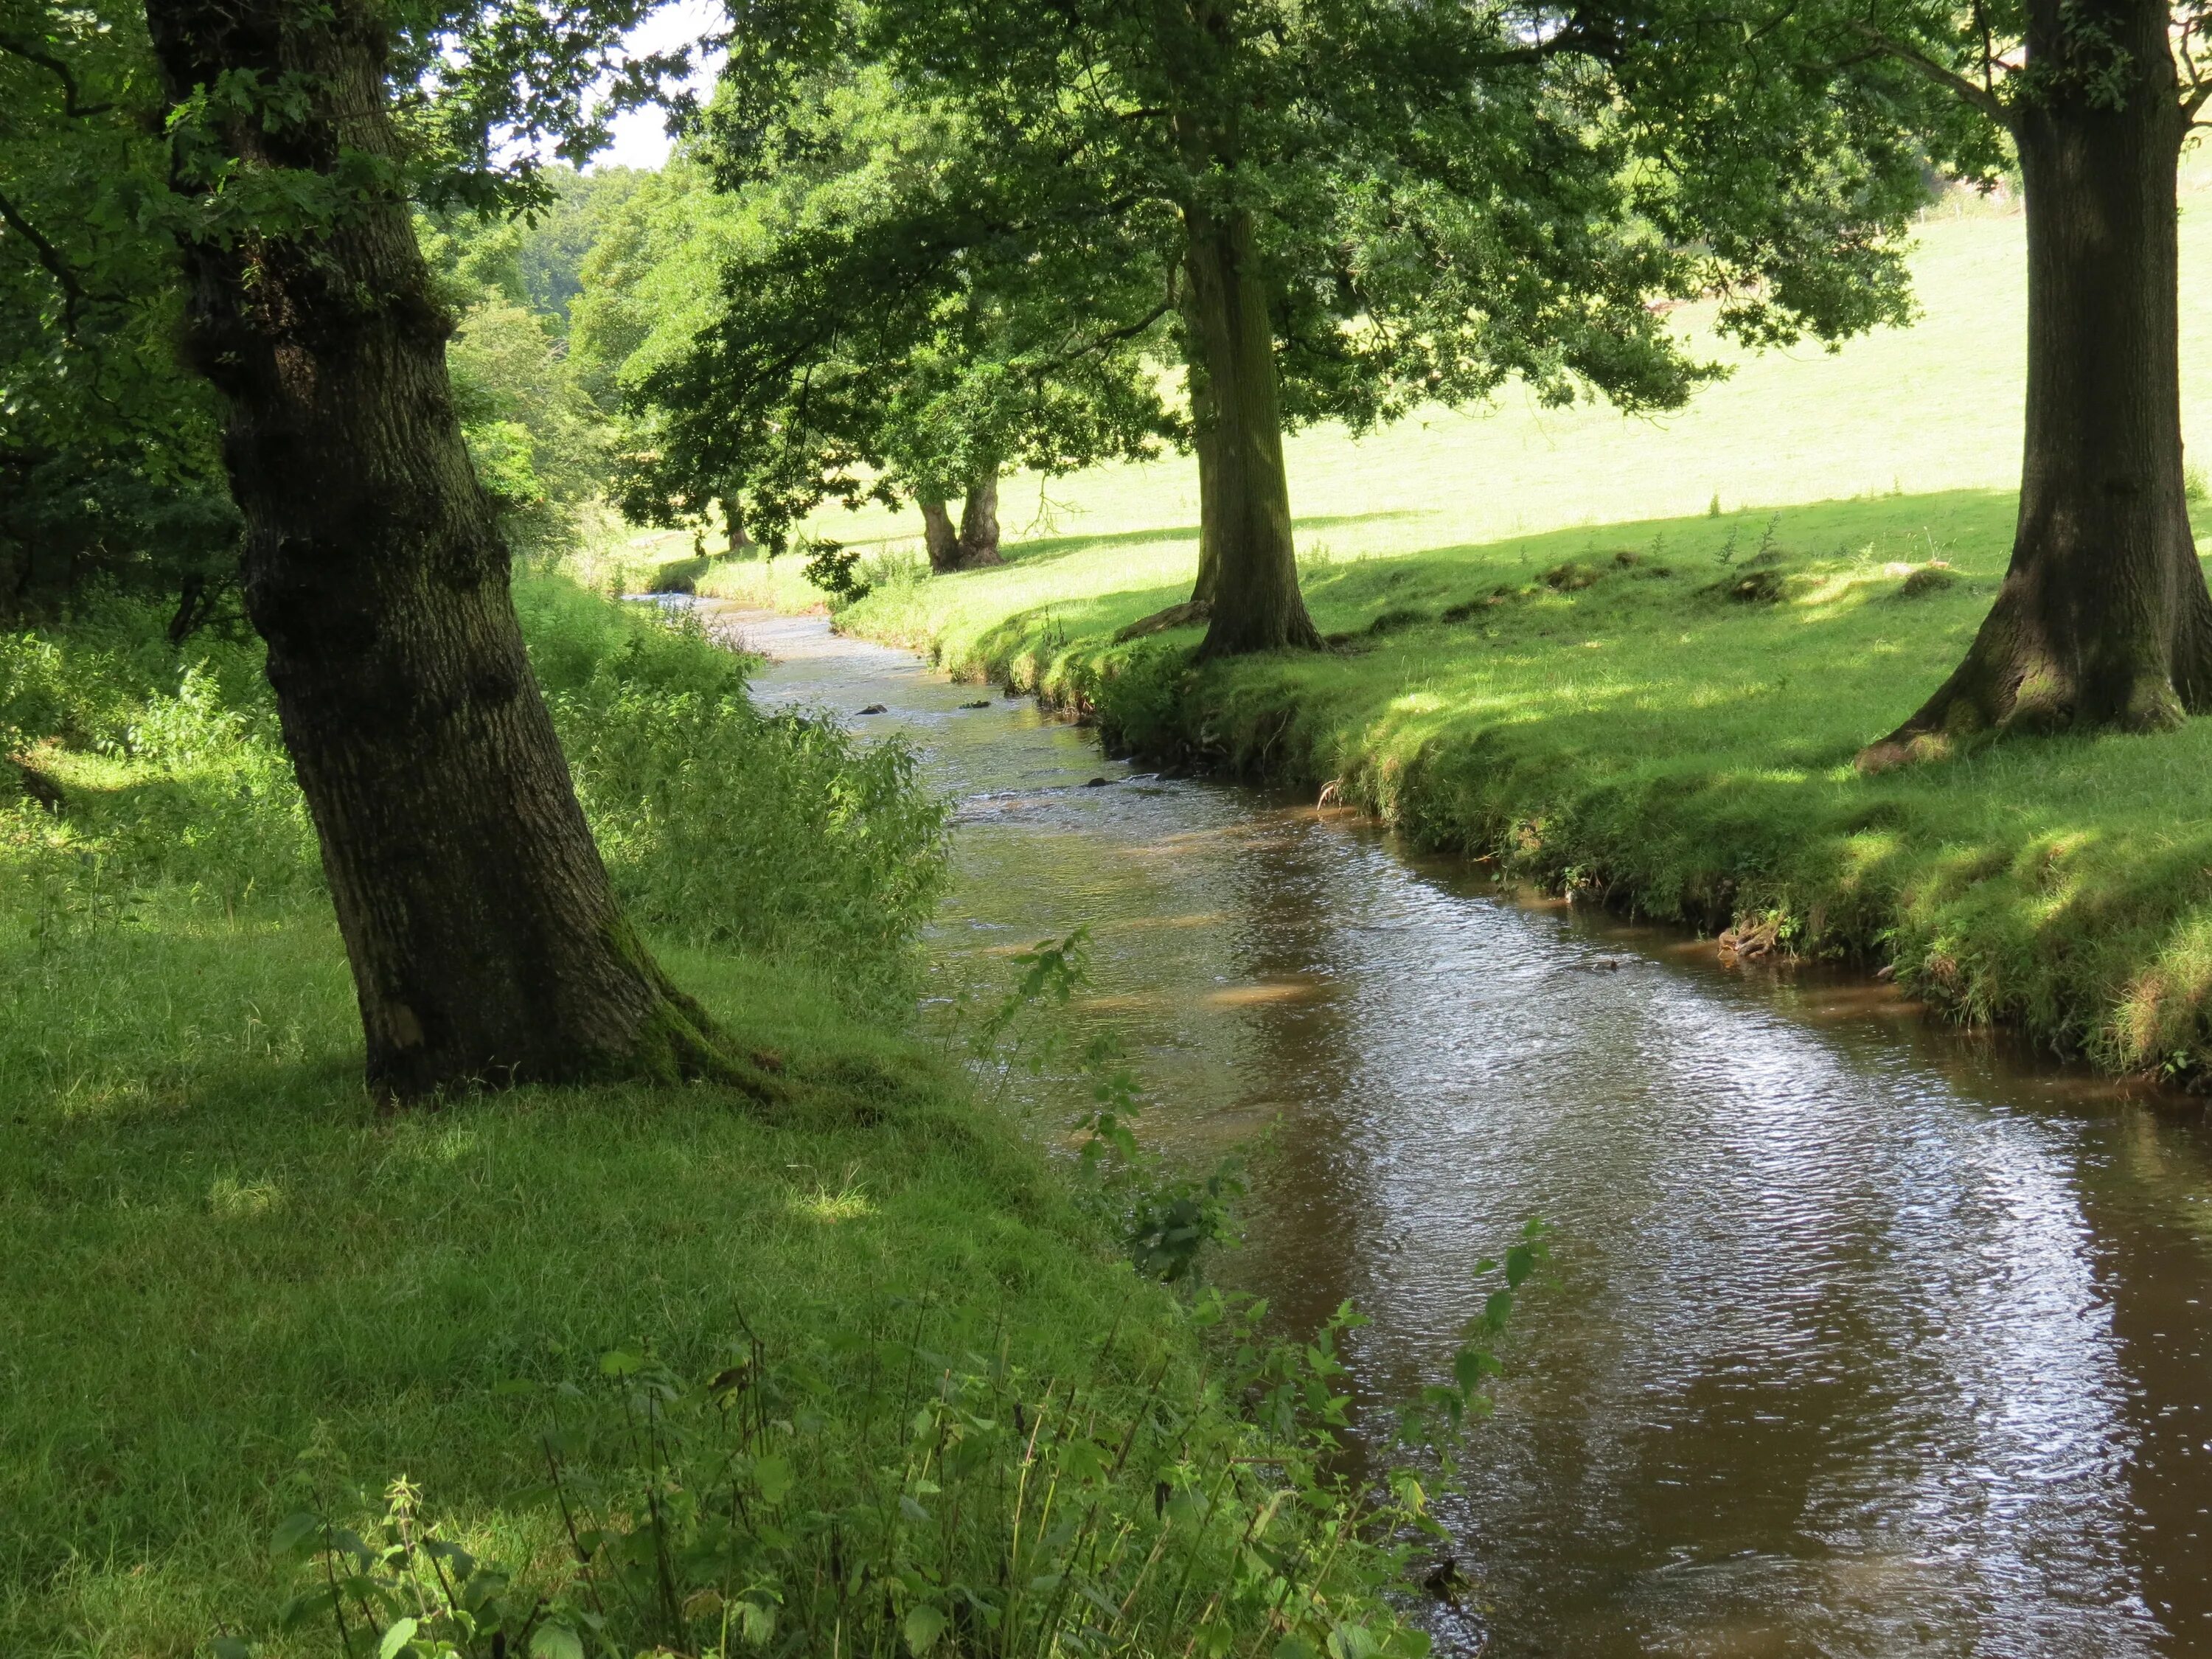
1860 1337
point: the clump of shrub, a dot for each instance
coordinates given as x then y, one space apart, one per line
1397 621
1466 608
1755 588
678 576
720 824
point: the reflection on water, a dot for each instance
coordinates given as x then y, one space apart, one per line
1859 1338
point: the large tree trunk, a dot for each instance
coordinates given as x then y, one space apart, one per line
733 521
2104 620
979 522
1255 599
938 534
1205 442
486 945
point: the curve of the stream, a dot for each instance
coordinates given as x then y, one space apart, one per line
1858 1339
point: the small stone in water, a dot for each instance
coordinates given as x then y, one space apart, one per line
874 708
979 702
1608 964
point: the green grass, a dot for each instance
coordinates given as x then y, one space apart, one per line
231 1287
222 1258
1643 735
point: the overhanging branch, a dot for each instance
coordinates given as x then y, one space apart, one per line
1110 337
50 258
1981 97
72 96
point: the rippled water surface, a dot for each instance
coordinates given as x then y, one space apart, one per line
1858 1338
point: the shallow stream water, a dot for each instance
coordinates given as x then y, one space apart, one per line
1860 1337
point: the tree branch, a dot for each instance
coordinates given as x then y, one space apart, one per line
1982 98
50 258
1112 337
31 52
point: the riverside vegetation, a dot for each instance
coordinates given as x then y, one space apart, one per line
1664 709
594 1369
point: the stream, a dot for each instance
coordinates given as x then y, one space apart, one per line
1860 1336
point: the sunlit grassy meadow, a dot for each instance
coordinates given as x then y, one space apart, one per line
1539 660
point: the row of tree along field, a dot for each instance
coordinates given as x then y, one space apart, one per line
914 242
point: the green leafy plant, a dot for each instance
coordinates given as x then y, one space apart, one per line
401 1591
909 1489
835 569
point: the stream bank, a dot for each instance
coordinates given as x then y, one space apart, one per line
1593 712
1861 1337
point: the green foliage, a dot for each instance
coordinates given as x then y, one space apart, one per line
835 569
1439 204
652 276
538 442
720 825
776 834
109 472
814 357
901 1486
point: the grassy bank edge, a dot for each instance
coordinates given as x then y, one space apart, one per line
2091 936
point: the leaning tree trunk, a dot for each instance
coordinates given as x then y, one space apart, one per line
1256 603
2103 619
485 942
979 522
938 534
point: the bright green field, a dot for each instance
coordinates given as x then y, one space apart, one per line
1687 754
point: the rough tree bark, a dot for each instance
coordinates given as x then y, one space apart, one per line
485 943
1256 603
1205 442
938 534
2103 619
979 522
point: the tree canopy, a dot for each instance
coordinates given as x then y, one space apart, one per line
1329 210
108 462
837 360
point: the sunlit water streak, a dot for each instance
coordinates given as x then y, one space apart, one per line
1860 1339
